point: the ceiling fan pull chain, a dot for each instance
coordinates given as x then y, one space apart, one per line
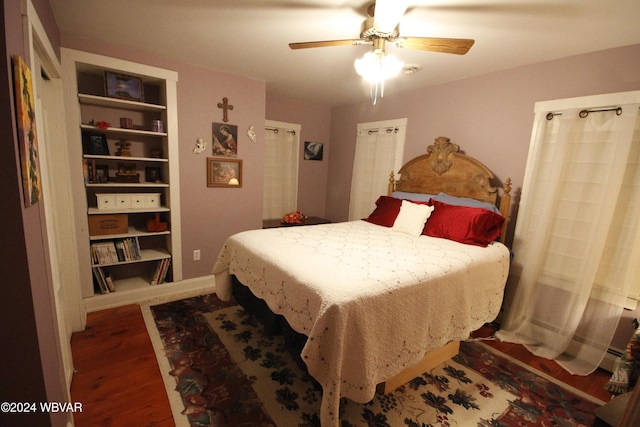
377 91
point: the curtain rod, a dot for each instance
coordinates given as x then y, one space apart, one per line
387 130
585 113
276 130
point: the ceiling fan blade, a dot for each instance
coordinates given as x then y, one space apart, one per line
327 43
387 14
442 45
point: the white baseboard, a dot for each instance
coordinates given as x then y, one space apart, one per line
158 293
611 359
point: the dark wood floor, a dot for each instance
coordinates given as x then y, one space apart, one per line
119 383
117 378
592 384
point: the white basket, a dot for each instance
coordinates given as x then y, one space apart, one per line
128 200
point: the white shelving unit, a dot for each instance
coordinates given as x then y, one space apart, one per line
150 151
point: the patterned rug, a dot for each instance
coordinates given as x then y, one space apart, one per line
229 373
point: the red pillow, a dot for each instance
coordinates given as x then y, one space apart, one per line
464 224
386 211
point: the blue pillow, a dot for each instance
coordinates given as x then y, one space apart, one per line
465 201
414 197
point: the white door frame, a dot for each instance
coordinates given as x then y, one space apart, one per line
58 226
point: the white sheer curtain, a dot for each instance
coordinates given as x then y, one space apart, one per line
282 151
379 150
577 239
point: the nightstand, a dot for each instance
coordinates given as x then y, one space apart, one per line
312 220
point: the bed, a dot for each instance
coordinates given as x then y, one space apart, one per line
379 301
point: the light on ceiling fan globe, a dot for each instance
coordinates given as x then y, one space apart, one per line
377 67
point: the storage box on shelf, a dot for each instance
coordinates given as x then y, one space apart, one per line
128 200
127 151
104 225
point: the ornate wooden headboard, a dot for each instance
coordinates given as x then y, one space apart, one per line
445 169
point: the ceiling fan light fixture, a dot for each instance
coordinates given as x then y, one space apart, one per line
376 67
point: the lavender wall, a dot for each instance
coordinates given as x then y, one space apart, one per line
315 120
209 215
48 21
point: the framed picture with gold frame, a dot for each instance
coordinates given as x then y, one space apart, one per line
224 172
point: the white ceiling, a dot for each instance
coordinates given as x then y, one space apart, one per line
250 37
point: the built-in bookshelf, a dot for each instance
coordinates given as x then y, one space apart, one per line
124 142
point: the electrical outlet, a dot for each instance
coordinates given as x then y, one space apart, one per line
196 255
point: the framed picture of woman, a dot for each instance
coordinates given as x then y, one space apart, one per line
225 139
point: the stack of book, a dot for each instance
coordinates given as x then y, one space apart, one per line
94 174
115 251
103 280
161 272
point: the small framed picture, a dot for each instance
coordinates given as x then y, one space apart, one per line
224 140
123 87
127 173
102 174
224 172
313 150
152 174
127 169
95 143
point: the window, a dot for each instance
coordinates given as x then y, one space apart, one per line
282 142
577 239
379 151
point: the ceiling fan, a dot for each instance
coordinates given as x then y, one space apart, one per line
382 26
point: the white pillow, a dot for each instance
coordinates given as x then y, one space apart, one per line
411 218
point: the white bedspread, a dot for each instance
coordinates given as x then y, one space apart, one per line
371 300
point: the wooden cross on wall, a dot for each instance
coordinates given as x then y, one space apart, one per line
225 108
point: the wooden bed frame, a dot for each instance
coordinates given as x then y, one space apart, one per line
445 169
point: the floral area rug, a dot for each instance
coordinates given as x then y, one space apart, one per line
228 372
